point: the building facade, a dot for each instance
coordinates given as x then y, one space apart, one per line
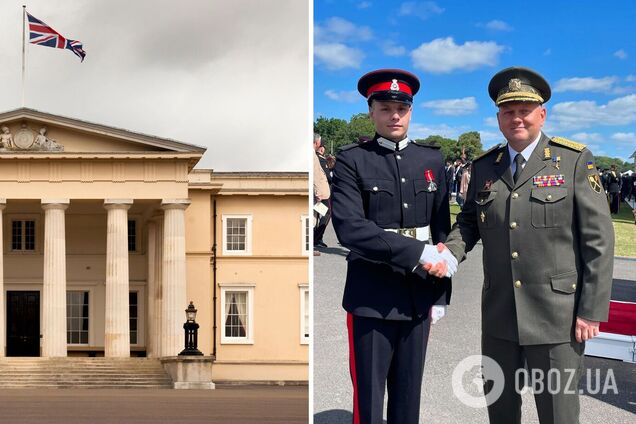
107 235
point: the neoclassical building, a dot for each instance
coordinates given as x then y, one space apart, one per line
108 234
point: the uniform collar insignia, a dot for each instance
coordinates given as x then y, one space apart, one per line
546 153
499 157
392 145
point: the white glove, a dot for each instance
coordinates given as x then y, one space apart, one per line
431 256
437 312
451 261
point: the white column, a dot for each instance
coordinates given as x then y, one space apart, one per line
54 282
155 259
3 204
151 344
173 287
117 323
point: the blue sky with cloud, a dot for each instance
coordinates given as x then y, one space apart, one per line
585 49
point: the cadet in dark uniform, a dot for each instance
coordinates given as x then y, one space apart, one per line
538 206
614 189
389 196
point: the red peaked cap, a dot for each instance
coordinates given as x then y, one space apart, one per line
393 85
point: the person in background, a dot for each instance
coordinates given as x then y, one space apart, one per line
321 186
614 190
463 186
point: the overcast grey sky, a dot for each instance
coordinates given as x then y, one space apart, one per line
228 75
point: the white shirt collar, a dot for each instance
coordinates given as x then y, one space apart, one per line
526 153
392 145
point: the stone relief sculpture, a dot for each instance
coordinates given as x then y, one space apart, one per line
42 142
6 139
25 139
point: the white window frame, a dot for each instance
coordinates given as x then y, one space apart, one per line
8 231
305 234
138 240
248 236
304 288
249 330
90 315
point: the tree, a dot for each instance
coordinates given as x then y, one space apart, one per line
333 131
604 162
471 142
360 125
447 145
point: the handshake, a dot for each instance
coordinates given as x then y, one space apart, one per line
438 261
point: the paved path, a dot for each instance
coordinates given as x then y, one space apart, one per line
242 404
454 338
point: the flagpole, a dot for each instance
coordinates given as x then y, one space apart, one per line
23 47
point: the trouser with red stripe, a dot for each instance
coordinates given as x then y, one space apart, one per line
392 353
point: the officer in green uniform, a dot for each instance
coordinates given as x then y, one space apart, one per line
538 206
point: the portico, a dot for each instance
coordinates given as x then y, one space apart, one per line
94 230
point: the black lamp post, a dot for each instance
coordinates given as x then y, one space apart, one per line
191 332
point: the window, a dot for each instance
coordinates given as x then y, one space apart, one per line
304 314
237 234
77 317
237 312
23 235
305 232
132 235
134 315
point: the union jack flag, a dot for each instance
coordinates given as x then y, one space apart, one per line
42 34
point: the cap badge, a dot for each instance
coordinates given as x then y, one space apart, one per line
394 85
514 84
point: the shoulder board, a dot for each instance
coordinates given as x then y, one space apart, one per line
568 143
349 146
487 152
432 146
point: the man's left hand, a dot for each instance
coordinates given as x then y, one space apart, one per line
585 329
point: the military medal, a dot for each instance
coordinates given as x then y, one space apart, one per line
488 184
428 174
482 216
556 160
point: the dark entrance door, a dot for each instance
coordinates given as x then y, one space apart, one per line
23 323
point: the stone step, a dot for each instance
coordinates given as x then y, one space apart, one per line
82 373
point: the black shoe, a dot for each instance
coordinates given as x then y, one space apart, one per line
320 243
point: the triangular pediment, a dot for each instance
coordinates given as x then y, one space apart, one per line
21 130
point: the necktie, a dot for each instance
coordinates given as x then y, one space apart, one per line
519 160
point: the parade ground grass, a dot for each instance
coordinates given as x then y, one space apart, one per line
624 229
625 232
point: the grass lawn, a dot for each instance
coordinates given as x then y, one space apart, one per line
624 229
625 232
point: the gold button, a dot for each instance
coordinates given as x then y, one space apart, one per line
574 285
517 284
515 255
513 225
375 189
515 195
548 197
398 157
